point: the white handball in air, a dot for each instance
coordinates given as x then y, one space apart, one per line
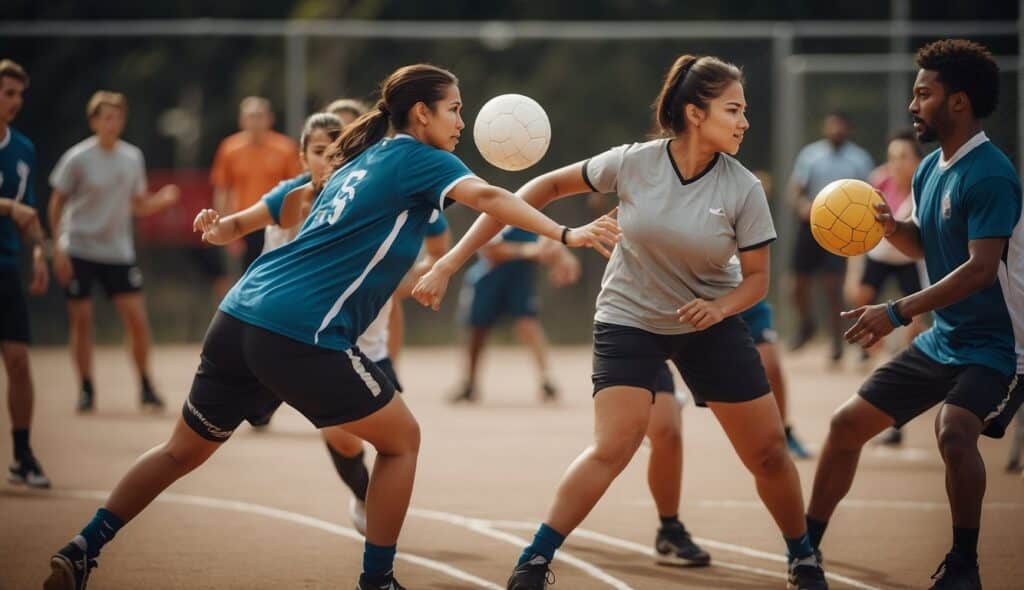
512 132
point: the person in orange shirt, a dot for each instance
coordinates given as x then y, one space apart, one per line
250 163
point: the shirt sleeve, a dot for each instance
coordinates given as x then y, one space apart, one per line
754 226
601 173
63 176
993 208
274 199
431 173
437 224
515 234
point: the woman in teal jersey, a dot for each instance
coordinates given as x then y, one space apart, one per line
287 330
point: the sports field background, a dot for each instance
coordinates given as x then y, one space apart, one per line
268 511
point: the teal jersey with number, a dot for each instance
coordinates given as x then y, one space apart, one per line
362 235
17 181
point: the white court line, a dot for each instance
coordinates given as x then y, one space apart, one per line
922 506
485 528
630 545
288 516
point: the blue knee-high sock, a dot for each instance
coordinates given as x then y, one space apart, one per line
100 531
378 560
799 548
545 543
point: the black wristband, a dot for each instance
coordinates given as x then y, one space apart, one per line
565 232
894 314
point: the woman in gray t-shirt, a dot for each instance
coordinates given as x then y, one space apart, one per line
693 254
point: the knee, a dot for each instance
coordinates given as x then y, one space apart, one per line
955 443
183 459
16 362
770 459
665 436
406 440
617 449
843 431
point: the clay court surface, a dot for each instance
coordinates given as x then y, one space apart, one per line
267 511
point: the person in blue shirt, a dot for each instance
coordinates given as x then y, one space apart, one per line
18 220
287 330
967 202
501 284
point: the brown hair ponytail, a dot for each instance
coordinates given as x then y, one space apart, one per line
399 92
691 80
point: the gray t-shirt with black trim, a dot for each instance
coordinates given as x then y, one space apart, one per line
679 238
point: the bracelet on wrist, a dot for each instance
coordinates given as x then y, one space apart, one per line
565 233
894 315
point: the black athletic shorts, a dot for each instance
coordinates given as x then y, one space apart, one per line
911 383
810 258
719 364
997 427
13 307
663 381
907 275
253 247
117 279
244 370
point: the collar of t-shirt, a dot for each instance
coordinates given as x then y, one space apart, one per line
978 139
403 136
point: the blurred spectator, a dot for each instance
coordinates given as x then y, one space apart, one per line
250 163
818 164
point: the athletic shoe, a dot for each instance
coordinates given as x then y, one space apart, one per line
150 400
549 393
796 448
892 437
956 573
675 547
805 573
385 582
467 394
532 575
357 512
85 401
28 472
69 569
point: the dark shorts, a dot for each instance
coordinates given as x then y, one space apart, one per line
211 261
388 368
911 383
117 279
759 322
13 308
907 275
663 381
997 427
720 364
244 371
507 291
810 258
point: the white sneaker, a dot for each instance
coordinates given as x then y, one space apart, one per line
357 512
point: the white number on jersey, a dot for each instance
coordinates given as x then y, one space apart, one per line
345 194
22 169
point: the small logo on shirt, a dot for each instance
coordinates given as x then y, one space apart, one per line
719 211
947 207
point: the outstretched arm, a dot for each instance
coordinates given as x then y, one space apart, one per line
145 204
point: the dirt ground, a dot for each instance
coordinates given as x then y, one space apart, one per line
268 511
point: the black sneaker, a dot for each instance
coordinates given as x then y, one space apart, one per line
85 401
549 393
532 575
467 394
956 573
150 400
27 472
675 547
69 569
385 582
805 573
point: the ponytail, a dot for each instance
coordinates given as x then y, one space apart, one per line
691 80
358 135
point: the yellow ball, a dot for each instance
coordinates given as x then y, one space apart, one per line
843 217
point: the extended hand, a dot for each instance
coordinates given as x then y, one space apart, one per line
700 313
884 216
601 234
208 222
872 324
431 287
40 274
62 268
